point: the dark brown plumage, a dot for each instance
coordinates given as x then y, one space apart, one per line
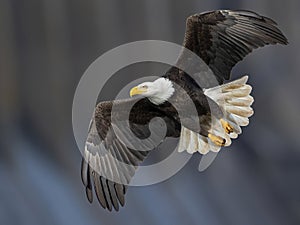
108 193
221 39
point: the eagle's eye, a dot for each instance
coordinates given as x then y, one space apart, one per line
144 86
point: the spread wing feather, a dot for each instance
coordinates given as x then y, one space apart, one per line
223 38
109 164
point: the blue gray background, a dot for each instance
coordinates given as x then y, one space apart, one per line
45 47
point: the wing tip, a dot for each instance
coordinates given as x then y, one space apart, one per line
256 16
89 194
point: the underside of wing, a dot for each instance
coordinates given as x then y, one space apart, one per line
114 149
108 165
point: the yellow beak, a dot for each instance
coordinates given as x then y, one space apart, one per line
136 91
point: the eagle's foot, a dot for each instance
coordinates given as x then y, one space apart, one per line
227 127
217 140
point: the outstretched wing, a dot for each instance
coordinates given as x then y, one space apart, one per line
223 38
109 164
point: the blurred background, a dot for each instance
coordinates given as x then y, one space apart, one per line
45 47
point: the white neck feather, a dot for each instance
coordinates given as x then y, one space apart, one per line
164 90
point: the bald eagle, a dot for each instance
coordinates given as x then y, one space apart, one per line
221 39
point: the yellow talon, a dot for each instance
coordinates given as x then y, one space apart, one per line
227 127
217 140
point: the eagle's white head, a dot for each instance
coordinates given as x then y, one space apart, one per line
157 91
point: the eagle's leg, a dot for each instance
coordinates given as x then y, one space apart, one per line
227 127
217 140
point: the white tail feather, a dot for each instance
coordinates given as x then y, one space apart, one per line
235 101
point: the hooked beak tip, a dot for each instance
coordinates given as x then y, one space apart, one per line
133 91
